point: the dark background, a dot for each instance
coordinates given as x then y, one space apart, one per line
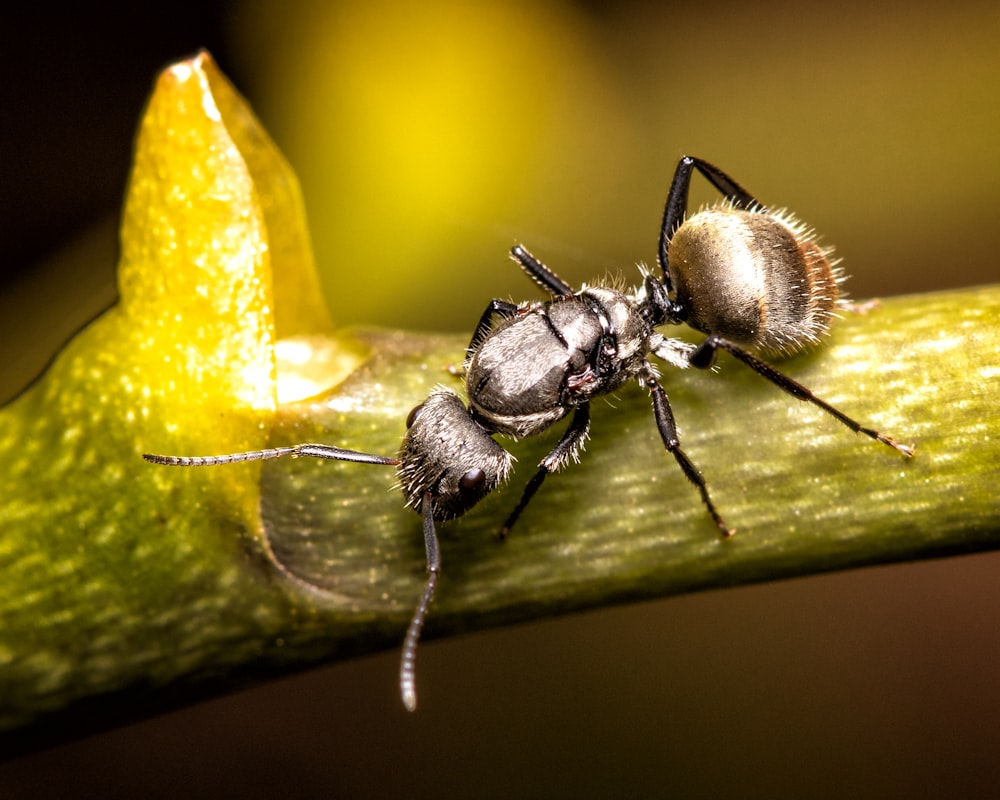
426 142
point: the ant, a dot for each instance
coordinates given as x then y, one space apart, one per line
748 277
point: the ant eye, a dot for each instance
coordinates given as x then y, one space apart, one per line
412 416
472 482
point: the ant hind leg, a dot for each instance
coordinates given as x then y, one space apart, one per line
704 356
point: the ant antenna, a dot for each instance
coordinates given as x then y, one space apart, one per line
407 679
407 682
314 450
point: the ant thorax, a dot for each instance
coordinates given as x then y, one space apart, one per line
548 358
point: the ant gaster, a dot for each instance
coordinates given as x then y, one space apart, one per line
747 276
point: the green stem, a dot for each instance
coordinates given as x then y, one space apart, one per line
176 598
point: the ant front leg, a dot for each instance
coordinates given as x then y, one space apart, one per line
496 308
668 433
539 273
704 356
677 202
568 447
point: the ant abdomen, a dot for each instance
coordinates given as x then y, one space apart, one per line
757 278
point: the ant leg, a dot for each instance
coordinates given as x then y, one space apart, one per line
407 664
496 308
704 356
677 202
668 432
545 278
568 447
539 273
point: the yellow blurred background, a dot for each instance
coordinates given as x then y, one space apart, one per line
430 137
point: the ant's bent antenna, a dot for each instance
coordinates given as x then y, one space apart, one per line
407 678
407 681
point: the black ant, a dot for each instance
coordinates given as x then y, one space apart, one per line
749 277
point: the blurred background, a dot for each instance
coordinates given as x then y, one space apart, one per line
430 137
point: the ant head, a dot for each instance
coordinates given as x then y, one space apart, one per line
447 454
